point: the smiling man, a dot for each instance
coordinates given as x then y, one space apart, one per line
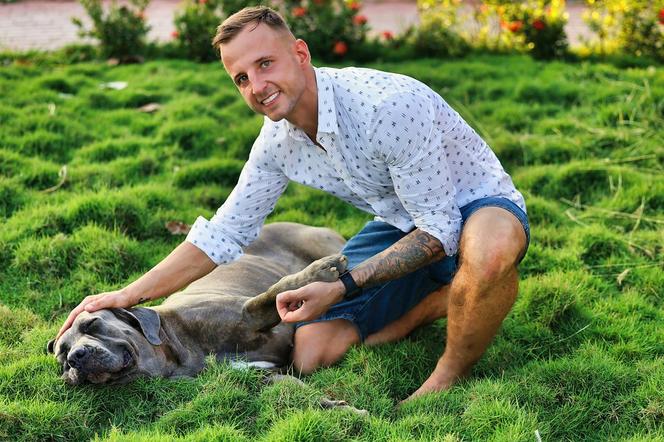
450 227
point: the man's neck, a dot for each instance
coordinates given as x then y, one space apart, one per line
306 116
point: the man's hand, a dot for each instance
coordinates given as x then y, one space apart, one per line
92 303
309 302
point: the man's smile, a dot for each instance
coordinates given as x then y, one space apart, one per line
270 99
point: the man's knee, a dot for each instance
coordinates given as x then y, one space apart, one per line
492 243
321 344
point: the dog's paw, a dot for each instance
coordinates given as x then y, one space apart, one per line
326 269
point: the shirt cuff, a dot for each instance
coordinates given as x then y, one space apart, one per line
217 245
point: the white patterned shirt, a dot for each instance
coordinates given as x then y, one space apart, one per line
391 147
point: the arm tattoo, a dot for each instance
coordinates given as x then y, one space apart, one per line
410 253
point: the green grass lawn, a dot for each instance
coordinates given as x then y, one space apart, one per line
580 357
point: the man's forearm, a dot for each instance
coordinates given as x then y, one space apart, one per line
182 266
413 251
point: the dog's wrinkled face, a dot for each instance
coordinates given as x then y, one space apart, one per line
102 346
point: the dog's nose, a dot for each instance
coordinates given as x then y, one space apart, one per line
76 358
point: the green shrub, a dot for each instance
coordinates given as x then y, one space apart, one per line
121 31
196 22
110 149
333 29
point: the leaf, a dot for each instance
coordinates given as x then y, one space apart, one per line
177 227
115 85
622 276
150 108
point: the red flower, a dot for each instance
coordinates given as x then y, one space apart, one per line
515 26
387 35
354 6
360 19
319 2
175 34
661 16
299 11
202 2
539 24
340 48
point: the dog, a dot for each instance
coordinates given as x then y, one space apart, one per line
231 313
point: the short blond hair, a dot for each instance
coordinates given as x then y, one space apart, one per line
255 15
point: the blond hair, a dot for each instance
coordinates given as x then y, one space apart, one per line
256 15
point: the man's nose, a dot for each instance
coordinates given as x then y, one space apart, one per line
258 85
77 357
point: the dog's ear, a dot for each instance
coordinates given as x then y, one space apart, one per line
260 312
50 347
147 320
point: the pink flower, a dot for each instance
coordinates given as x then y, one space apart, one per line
299 11
387 35
661 16
175 34
360 19
539 24
340 48
202 2
354 6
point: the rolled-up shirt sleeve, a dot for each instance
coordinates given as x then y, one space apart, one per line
418 166
239 220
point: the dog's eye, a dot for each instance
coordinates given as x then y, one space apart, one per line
89 325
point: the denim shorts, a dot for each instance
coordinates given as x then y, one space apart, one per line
377 306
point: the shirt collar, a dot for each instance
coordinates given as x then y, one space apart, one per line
327 111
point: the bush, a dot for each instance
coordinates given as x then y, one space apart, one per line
121 32
195 26
333 29
536 26
635 27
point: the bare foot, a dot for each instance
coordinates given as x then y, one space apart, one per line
440 380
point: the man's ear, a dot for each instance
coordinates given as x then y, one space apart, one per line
302 52
146 319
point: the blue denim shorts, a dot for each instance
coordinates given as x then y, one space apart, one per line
377 306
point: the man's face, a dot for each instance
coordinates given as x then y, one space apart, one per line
267 67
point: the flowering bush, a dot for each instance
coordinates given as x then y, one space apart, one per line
536 26
121 31
333 29
195 26
635 27
540 23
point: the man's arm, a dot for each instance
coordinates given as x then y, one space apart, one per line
413 251
182 266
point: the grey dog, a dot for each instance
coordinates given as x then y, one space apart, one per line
219 314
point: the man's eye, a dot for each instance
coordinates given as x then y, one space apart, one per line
266 63
241 79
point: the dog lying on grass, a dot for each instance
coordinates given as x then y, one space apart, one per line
217 314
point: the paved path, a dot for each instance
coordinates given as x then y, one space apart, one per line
46 24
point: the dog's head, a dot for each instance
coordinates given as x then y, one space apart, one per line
105 346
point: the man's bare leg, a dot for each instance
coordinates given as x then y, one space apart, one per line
432 307
481 294
321 344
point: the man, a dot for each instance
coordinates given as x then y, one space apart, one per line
450 227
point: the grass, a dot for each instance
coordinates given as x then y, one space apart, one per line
580 357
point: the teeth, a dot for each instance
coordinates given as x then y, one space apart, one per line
271 98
